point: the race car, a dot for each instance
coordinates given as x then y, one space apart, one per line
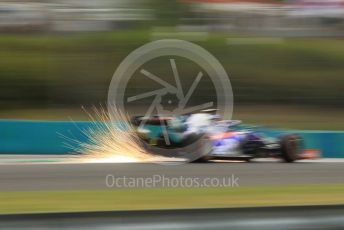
228 139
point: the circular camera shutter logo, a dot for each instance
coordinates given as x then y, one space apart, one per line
194 145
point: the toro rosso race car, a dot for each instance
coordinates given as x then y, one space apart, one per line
228 139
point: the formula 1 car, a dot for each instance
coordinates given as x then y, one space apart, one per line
228 139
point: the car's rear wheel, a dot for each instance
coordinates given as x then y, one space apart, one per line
291 148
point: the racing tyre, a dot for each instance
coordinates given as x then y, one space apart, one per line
291 148
204 159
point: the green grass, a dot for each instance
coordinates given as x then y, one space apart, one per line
43 69
279 79
172 198
291 117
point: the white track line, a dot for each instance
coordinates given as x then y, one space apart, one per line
74 159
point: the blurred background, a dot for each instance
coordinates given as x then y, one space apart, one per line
285 58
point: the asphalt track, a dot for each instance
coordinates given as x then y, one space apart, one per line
70 176
274 218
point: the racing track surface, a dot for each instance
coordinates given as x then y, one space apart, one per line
63 176
274 218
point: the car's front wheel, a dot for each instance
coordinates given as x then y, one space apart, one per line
291 148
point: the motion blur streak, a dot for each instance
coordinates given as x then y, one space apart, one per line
112 140
267 218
